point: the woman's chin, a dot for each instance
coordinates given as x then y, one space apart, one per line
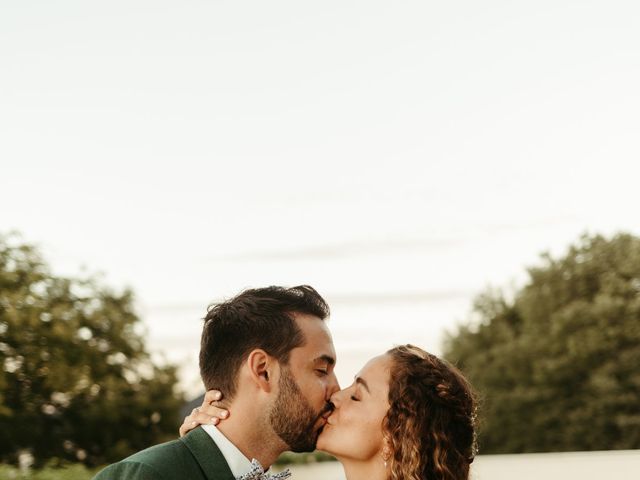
324 441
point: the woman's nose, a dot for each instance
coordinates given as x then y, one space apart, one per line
336 398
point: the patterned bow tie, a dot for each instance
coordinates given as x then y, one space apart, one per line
258 473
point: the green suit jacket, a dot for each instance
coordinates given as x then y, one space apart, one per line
194 456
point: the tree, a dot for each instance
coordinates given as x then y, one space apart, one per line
558 367
76 382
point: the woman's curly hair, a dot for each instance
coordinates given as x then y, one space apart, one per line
430 425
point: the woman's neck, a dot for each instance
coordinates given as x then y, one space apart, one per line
373 469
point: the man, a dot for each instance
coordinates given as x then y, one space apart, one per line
270 352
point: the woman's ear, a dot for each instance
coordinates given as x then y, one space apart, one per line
262 369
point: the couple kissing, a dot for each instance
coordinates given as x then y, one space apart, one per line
267 360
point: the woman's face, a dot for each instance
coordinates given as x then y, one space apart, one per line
354 429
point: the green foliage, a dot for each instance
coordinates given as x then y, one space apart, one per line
558 367
76 382
291 458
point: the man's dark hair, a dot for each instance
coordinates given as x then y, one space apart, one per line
256 318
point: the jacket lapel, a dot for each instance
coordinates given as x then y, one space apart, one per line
208 455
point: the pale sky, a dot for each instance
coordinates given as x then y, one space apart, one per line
398 156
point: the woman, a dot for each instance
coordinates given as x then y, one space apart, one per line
408 416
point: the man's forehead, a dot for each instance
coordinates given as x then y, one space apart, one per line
318 345
312 326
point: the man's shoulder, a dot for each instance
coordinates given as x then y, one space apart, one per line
160 453
154 463
130 470
194 456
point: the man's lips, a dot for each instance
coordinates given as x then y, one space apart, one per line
329 418
323 418
321 422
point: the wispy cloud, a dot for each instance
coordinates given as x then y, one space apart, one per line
341 250
398 297
360 298
397 243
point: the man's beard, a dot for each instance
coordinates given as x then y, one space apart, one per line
292 418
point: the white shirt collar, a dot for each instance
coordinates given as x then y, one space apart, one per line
238 463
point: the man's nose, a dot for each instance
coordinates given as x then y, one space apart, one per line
333 385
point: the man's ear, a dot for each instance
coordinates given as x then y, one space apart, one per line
263 369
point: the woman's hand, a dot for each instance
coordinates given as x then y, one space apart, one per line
206 414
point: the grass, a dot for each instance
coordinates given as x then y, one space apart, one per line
288 458
69 472
80 472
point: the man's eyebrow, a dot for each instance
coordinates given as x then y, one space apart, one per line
362 382
325 359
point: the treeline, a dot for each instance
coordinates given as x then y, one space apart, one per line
558 365
76 383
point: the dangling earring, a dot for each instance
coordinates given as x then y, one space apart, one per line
386 452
